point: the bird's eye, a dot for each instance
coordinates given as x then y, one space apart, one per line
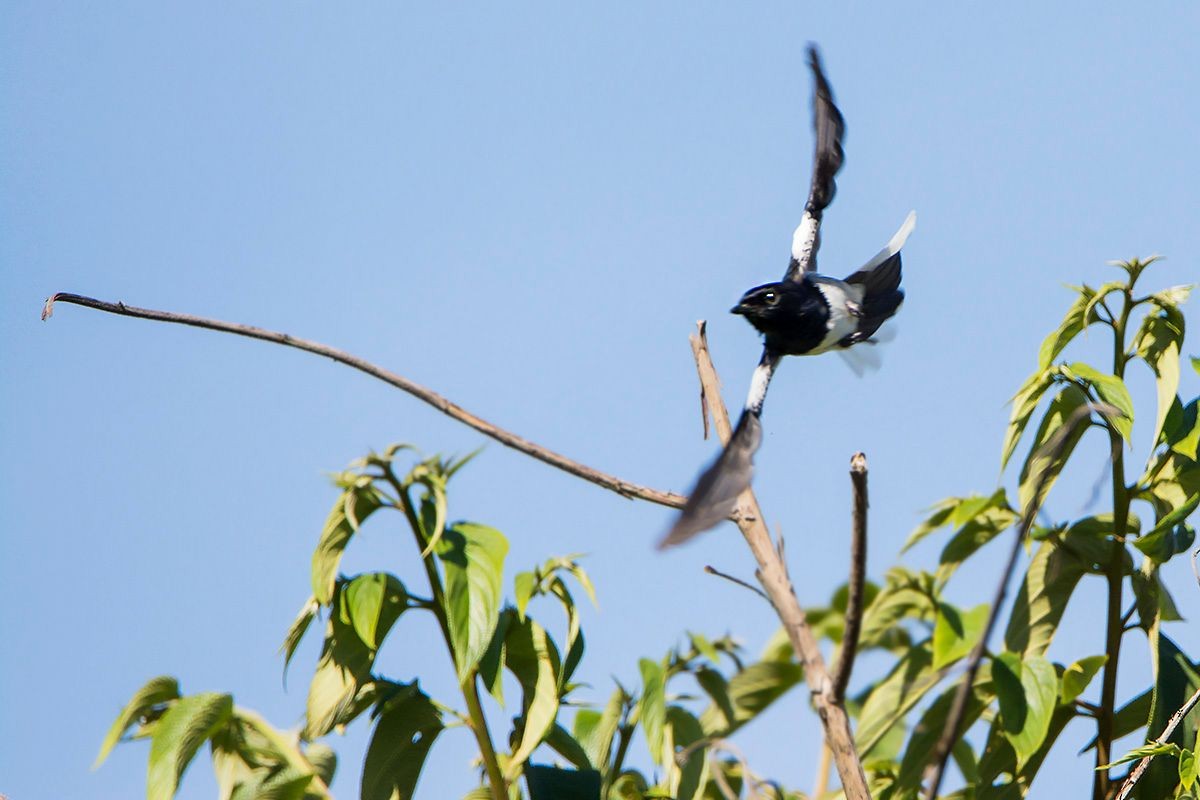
770 298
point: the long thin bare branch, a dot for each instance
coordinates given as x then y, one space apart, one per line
858 578
1051 450
772 574
1172 724
610 482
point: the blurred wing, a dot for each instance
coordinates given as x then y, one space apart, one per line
829 128
716 492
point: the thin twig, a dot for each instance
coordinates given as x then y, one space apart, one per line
1196 571
610 482
858 578
1173 723
1051 450
772 574
711 570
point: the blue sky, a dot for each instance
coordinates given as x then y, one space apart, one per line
525 208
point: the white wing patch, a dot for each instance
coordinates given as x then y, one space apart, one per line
841 297
804 242
893 246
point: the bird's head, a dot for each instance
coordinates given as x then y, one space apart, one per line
763 302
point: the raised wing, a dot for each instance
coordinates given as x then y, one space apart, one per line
829 127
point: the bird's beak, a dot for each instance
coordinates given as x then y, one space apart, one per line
740 308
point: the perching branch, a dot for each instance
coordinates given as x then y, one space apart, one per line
1051 450
858 578
610 482
772 574
1172 724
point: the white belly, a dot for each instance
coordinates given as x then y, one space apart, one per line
841 296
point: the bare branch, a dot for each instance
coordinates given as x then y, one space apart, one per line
610 482
711 570
1172 724
1052 449
772 573
858 578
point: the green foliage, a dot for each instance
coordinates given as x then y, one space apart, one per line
689 701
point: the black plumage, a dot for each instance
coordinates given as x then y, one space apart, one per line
804 314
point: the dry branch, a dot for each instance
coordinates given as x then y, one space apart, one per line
1172 724
610 482
772 574
858 578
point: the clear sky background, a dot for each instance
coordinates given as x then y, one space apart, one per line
525 207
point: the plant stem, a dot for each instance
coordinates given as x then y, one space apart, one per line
477 722
1114 572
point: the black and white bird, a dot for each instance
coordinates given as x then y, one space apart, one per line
804 314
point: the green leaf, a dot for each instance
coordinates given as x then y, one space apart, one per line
433 510
704 647
531 658
1027 690
373 601
929 729
1187 769
523 588
566 746
323 760
472 559
154 693
297 630
1024 403
1157 342
682 730
1049 581
750 692
652 708
352 508
399 745
956 632
904 596
974 534
1109 389
1076 320
188 723
491 664
342 669
1175 679
1075 678
1181 430
891 700
1051 447
1138 753
596 730
1169 536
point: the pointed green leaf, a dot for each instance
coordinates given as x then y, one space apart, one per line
1074 322
1024 403
682 730
566 746
1169 536
399 745
1109 389
342 669
596 730
297 630
956 632
472 559
531 658
1051 447
1181 431
189 723
750 692
1187 769
1048 584
1176 678
354 505
652 708
373 602
491 665
1157 342
156 692
1026 707
893 697
1138 753
1076 677
523 586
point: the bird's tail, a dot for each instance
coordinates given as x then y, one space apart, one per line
880 282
